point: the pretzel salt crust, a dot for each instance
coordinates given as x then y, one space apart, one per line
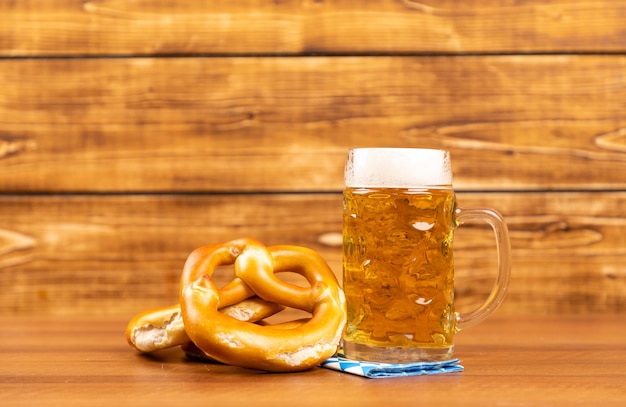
193 352
289 347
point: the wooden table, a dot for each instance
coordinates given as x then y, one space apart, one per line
67 361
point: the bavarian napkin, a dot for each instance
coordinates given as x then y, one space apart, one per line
376 370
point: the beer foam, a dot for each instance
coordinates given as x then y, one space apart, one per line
398 168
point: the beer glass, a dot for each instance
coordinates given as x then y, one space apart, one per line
399 217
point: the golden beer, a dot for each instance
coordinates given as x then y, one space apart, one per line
399 218
399 272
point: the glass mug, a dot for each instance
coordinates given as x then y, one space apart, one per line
399 218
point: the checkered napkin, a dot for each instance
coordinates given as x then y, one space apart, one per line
375 370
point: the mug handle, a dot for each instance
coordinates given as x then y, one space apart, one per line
503 246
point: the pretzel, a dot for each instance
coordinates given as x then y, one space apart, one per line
156 329
163 328
290 347
193 352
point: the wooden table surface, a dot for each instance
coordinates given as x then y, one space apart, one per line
526 361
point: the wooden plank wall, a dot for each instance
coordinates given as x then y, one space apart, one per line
132 132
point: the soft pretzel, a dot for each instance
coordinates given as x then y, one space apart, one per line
156 329
193 352
291 347
163 328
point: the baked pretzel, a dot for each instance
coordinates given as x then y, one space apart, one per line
193 352
163 328
289 347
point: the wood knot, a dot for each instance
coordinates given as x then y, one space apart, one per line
10 146
332 239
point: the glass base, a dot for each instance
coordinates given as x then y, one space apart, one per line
362 352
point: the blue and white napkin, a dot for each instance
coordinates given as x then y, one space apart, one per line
376 370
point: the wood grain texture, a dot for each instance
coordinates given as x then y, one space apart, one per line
533 361
115 27
121 254
285 124
133 132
